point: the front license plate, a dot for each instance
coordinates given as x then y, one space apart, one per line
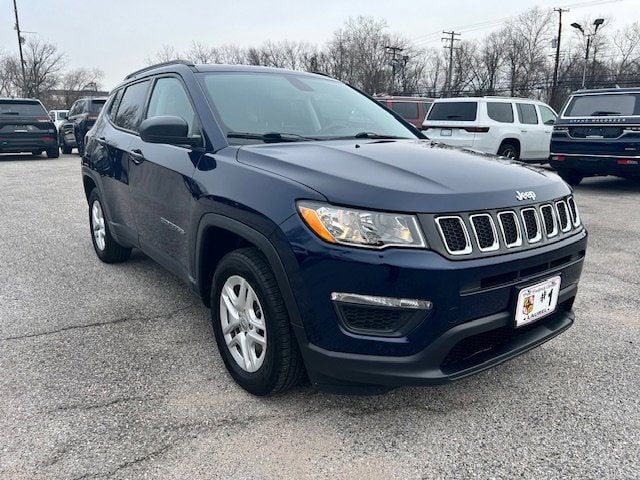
445 132
537 301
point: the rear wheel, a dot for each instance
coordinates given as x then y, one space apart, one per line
107 249
66 149
509 150
53 153
572 177
252 326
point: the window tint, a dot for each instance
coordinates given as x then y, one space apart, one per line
465 111
113 104
130 110
603 105
547 115
500 111
96 105
170 98
405 109
21 107
527 113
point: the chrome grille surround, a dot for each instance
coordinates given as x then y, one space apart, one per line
468 248
538 235
490 232
573 211
512 214
495 245
547 211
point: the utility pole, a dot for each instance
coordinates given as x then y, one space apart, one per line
554 86
394 51
17 27
451 38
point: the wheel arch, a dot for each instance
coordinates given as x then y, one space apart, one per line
89 185
512 141
218 235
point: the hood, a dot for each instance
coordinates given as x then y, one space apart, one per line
404 175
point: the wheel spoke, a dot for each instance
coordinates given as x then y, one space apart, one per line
255 338
231 295
242 295
244 347
231 308
231 326
254 320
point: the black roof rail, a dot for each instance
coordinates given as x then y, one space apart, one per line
158 65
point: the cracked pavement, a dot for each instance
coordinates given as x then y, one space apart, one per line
111 371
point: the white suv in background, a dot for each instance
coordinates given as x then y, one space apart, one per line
511 127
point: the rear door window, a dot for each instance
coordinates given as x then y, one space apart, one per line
405 109
458 111
25 108
602 105
500 111
547 115
527 113
131 106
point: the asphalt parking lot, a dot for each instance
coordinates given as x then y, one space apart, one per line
112 371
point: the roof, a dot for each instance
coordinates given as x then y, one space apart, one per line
607 90
176 65
403 98
19 99
472 99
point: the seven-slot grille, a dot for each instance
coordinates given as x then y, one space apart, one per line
488 232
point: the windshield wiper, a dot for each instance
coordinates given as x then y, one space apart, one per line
373 135
10 113
603 113
271 137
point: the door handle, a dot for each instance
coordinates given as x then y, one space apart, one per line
523 131
137 156
101 140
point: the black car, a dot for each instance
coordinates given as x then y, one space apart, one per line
81 117
327 234
598 133
25 126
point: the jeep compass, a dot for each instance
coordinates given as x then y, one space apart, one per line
328 236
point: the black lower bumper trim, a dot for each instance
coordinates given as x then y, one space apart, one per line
329 369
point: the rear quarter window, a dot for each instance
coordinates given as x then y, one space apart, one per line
458 111
500 112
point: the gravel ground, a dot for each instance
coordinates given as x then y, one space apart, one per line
112 371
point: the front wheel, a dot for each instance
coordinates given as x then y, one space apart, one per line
66 149
572 177
107 249
251 325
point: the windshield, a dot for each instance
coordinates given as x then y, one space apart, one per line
303 107
22 107
604 105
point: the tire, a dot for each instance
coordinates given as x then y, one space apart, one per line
572 177
280 363
36 153
509 150
80 147
66 149
107 249
53 153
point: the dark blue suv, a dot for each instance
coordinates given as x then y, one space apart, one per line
328 236
598 133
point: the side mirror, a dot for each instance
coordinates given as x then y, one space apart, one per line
167 129
550 122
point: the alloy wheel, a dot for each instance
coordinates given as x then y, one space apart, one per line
243 323
98 225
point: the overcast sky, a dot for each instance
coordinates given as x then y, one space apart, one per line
118 35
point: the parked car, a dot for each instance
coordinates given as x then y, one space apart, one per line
26 127
412 109
328 236
81 117
510 127
58 117
598 133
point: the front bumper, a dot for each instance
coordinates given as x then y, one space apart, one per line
470 297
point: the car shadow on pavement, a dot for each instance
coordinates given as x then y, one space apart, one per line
608 185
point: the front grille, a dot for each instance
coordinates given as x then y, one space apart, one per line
485 232
510 229
513 229
549 220
531 225
455 235
377 319
563 215
573 210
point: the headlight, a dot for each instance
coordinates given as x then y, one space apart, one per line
361 228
